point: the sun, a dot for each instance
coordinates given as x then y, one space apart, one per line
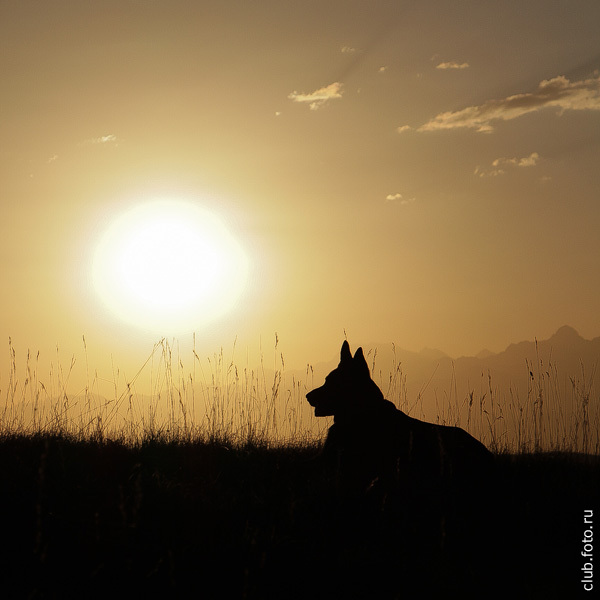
169 266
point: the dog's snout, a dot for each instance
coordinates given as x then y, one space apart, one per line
312 396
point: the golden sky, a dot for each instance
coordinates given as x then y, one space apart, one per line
418 172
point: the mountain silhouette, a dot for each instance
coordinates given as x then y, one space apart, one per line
563 365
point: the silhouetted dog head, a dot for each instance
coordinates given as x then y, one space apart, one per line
348 390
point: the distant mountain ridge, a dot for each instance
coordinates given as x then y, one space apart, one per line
433 376
566 349
433 354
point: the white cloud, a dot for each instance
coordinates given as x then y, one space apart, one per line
317 98
526 161
348 50
504 161
453 65
403 128
481 172
393 197
529 161
500 165
398 199
53 158
382 69
558 93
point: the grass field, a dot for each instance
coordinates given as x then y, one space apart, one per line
227 498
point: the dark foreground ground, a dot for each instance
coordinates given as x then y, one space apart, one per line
198 520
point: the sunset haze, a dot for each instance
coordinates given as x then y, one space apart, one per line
424 173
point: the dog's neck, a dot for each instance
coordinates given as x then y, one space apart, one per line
371 410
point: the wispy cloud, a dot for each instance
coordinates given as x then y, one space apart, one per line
103 139
453 65
404 128
398 199
500 165
348 50
319 97
558 93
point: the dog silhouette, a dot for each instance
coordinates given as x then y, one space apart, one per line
371 442
413 496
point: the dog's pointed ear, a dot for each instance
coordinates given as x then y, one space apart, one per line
345 355
361 362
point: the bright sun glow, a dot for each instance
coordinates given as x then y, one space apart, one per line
169 267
